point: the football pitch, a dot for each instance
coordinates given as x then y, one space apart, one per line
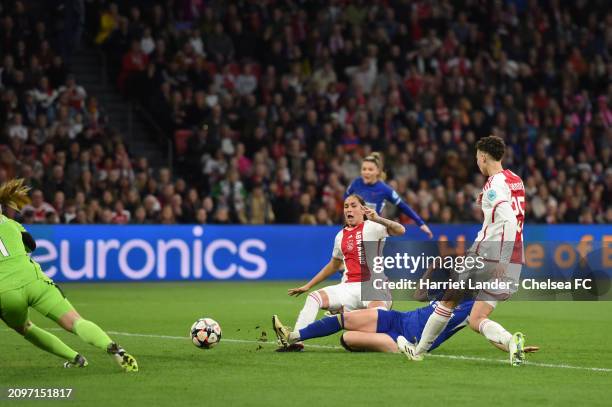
151 320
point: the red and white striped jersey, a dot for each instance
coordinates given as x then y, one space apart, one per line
503 206
349 246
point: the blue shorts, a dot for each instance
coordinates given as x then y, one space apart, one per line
396 323
410 324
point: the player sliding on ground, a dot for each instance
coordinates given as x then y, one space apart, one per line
362 224
500 244
378 330
24 285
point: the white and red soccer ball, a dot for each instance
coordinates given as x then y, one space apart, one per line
205 333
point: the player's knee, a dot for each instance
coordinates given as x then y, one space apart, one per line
68 320
314 298
346 342
322 298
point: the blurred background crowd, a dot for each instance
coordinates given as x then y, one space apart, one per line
273 104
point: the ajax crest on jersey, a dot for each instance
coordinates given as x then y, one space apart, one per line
205 333
350 245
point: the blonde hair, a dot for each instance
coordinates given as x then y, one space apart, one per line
14 194
377 159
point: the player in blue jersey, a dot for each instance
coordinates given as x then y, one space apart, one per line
372 188
375 329
379 330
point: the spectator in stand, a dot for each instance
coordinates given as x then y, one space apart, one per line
294 108
38 208
133 66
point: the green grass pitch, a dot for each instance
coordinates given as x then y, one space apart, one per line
241 371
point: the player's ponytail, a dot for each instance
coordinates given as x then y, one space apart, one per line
14 194
377 159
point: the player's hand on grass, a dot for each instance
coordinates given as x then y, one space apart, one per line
299 290
531 349
427 231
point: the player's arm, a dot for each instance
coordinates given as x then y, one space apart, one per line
393 228
328 270
393 196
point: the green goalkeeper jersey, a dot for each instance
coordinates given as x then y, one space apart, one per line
16 267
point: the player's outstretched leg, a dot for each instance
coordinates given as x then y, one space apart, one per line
323 327
437 321
364 320
308 314
91 333
94 335
50 343
14 309
496 333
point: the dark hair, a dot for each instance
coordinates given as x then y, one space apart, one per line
492 145
358 197
376 159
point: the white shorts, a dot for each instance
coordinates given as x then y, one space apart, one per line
347 297
511 278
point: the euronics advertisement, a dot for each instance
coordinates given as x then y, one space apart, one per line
209 252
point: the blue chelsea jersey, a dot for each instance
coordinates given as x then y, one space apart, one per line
375 195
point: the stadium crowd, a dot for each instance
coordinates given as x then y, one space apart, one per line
274 104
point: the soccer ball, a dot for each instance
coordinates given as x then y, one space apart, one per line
205 333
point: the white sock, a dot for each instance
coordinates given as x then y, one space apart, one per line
495 332
308 314
436 323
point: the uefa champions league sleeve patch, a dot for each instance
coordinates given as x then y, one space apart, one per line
491 194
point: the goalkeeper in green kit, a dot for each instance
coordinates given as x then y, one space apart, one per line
23 285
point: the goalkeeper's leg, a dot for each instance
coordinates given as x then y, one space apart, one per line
14 311
91 333
47 298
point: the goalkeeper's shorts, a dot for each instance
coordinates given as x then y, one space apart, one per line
43 295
